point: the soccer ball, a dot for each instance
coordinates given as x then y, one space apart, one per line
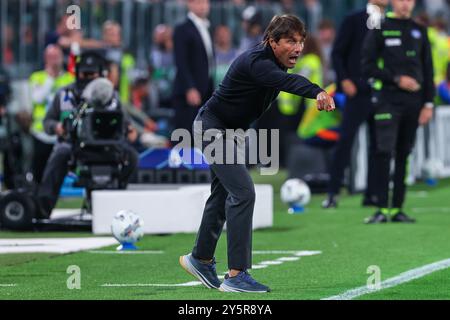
127 227
295 193
432 169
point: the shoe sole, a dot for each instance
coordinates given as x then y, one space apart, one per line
376 222
189 268
334 206
225 288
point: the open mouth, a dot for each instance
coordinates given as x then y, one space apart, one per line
293 59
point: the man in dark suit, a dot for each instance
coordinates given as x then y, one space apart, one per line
346 57
249 88
194 59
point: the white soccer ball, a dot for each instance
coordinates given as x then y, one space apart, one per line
127 227
295 192
432 169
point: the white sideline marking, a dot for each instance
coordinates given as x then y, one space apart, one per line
262 265
395 281
294 252
285 259
271 262
54 245
127 252
2 285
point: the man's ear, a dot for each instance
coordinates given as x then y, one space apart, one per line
273 44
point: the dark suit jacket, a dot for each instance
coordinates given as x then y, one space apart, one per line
191 61
347 50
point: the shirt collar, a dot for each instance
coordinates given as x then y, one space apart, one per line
197 20
271 54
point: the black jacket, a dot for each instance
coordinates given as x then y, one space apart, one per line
347 47
191 61
400 47
251 84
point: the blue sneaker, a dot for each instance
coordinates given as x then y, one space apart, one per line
243 282
205 272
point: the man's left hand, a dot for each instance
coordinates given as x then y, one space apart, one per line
325 102
425 116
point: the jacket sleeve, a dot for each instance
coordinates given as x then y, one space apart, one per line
52 117
267 74
341 49
372 50
181 50
428 76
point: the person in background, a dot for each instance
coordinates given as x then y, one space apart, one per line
65 37
439 42
326 36
315 127
253 28
5 91
162 62
8 49
444 89
313 14
358 108
138 109
195 63
120 62
90 66
43 86
225 53
403 97
8 158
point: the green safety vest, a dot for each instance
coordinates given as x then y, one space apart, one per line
40 109
311 67
313 121
440 48
126 65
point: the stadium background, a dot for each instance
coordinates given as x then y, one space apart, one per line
31 19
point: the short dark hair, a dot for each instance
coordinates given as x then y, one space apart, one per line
284 26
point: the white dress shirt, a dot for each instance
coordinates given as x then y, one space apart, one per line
202 26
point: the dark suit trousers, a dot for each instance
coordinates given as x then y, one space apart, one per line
184 113
358 110
232 200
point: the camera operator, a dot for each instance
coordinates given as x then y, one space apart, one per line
5 95
90 65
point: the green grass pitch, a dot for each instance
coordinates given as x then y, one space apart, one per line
348 248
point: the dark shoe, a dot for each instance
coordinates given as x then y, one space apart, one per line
370 201
402 218
330 202
205 272
378 217
243 282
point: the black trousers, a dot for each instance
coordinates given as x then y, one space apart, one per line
58 166
41 154
184 113
232 200
396 125
358 110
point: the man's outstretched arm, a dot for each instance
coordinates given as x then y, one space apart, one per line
267 74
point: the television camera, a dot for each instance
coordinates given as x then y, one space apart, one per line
96 130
